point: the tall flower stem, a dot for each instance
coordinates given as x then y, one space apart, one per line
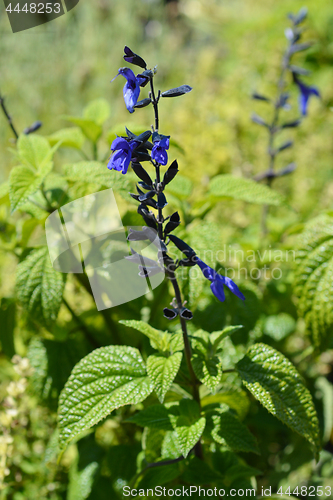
273 129
170 268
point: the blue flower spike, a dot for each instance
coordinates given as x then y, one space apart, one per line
131 88
218 282
122 155
161 144
306 92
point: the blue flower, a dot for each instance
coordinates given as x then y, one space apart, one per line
305 93
218 282
159 154
120 160
131 88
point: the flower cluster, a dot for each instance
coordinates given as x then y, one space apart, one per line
152 147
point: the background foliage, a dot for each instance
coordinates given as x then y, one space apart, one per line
224 50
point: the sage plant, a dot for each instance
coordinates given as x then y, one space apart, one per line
135 150
281 103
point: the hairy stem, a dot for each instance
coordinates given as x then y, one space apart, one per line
170 271
272 131
7 115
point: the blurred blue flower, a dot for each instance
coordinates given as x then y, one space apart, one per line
159 154
131 88
120 160
218 282
305 93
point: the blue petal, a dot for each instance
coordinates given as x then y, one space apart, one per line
120 161
119 143
207 271
233 288
131 96
160 155
217 289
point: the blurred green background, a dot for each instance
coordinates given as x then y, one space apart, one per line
225 50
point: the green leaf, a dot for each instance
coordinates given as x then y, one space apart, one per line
188 426
158 339
199 472
208 370
39 286
240 188
162 371
68 137
313 279
156 416
236 400
49 376
229 430
275 382
97 111
280 326
33 150
217 337
90 129
106 379
181 186
81 481
23 182
95 172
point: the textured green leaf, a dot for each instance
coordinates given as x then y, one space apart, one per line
81 481
313 279
229 430
23 182
280 326
188 426
208 370
169 449
162 371
236 400
275 382
240 188
49 376
33 149
98 111
97 173
89 128
156 416
217 337
158 339
39 286
71 137
152 440
106 379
